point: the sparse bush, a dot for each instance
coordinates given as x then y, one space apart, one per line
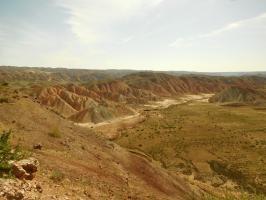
55 133
5 84
242 196
8 154
4 100
57 176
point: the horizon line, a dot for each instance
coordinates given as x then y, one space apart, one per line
130 69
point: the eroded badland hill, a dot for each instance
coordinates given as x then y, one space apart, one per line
167 141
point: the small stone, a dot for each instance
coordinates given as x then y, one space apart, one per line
39 188
37 146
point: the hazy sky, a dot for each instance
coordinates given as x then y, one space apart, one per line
191 35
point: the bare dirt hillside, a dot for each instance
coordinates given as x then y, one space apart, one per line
167 85
80 104
240 95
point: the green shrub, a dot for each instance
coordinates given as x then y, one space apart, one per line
8 154
57 176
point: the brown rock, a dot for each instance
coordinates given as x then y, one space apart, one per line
25 169
14 189
39 188
37 146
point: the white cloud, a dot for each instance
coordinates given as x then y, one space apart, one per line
127 39
235 25
181 42
229 27
92 21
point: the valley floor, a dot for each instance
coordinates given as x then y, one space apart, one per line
109 128
213 146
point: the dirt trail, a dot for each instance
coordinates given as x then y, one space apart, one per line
109 122
184 99
109 128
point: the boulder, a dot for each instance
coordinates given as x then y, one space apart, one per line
25 169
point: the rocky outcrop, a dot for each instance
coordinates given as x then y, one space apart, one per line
11 189
25 169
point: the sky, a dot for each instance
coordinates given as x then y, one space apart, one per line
180 35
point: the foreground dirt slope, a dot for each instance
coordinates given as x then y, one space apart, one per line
90 167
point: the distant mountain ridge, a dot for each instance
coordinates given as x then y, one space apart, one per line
61 75
57 75
226 74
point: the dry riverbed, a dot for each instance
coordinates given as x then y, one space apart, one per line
111 127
